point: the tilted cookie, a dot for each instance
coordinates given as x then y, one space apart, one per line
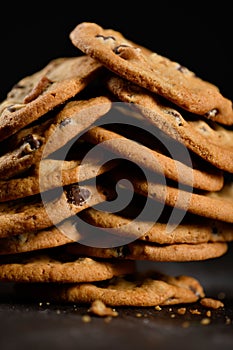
30 145
213 205
35 95
49 267
136 289
191 230
68 232
35 213
140 250
30 241
152 71
155 160
53 173
211 142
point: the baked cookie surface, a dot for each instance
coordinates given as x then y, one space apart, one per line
152 71
38 94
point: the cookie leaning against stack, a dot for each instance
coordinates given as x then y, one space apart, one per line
128 105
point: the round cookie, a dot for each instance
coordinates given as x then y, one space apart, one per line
142 290
211 142
139 250
30 145
46 268
155 161
52 173
192 229
35 213
214 205
152 71
35 95
30 241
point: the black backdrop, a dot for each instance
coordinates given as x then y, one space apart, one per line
198 38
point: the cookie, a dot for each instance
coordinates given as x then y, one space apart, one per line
53 173
36 95
51 267
32 144
35 213
210 141
214 205
136 289
30 241
152 71
139 250
192 229
155 160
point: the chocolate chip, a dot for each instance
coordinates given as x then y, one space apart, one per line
77 195
123 251
32 141
29 144
18 86
65 122
212 113
105 37
183 69
116 49
176 115
15 107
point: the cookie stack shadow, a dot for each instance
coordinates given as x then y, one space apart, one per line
112 157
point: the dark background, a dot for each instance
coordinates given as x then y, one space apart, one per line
198 38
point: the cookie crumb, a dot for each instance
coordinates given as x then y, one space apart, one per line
158 308
138 314
100 309
181 310
195 312
211 303
173 315
205 321
227 320
208 313
86 318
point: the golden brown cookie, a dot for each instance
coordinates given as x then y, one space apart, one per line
214 205
155 160
30 241
51 173
35 213
152 71
140 250
193 229
209 141
30 145
34 96
149 289
51 267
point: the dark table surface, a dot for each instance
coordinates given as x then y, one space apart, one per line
46 326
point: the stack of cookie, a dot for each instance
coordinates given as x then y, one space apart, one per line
111 157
